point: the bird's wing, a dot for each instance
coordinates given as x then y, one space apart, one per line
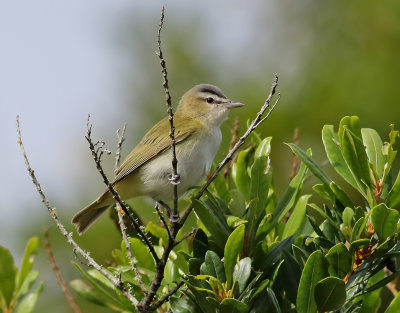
153 145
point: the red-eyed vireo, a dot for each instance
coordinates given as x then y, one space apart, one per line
146 170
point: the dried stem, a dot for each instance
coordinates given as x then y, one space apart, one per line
53 212
174 179
97 153
57 273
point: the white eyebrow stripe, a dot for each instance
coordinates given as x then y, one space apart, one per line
204 95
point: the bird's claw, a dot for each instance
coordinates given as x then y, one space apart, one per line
174 179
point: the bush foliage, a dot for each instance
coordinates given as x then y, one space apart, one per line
257 251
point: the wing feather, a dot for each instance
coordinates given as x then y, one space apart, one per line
152 145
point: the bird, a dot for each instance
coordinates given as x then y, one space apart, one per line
148 167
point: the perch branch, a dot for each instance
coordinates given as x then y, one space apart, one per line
174 179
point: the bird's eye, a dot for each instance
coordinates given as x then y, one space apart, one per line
209 100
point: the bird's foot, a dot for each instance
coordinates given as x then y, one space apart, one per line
174 179
173 215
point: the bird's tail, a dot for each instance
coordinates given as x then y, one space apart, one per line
87 216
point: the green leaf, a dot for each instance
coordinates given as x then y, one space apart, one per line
289 197
300 255
340 260
230 305
313 272
240 174
232 250
200 244
27 261
28 303
354 152
182 305
209 221
157 231
242 274
335 155
29 280
393 197
384 220
87 292
309 162
7 277
347 217
214 266
290 275
330 294
237 204
264 148
259 187
141 253
340 195
374 145
297 218
194 266
394 306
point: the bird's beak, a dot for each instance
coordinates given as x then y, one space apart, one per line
232 104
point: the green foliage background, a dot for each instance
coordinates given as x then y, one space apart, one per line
334 59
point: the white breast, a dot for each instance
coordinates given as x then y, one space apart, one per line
194 163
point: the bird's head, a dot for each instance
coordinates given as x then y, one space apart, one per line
206 104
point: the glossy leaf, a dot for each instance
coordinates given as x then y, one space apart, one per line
313 272
157 231
384 220
393 197
7 276
214 266
259 188
237 204
87 292
27 261
242 274
29 280
394 306
312 166
335 156
374 145
182 305
297 218
354 151
240 174
28 303
230 305
141 253
232 250
263 148
330 294
340 260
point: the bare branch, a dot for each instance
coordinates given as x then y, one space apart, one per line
162 219
121 139
97 153
53 212
254 124
174 179
166 297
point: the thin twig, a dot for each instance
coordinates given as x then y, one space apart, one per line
166 297
186 236
162 219
133 261
174 179
57 273
121 139
254 124
53 212
97 154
